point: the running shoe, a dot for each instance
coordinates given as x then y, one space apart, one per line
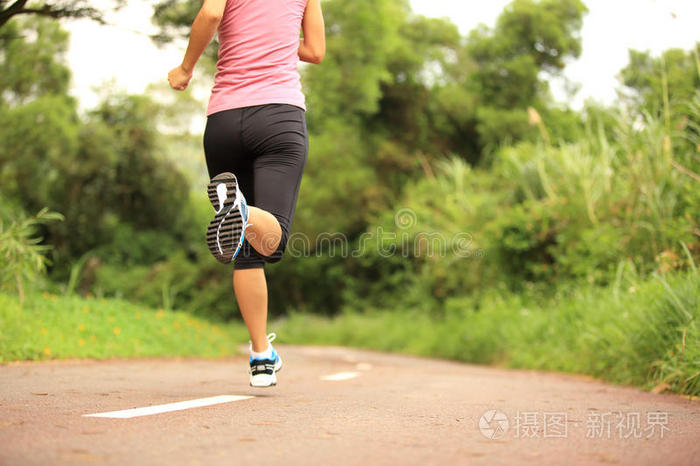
226 232
263 371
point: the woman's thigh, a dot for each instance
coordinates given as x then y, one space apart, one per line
225 152
277 137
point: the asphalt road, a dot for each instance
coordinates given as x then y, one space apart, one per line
335 406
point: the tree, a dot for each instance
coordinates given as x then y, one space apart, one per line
56 9
361 37
39 122
424 48
174 17
31 64
502 70
673 77
99 170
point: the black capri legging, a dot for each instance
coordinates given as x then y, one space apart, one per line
266 147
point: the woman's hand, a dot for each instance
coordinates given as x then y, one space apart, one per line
179 78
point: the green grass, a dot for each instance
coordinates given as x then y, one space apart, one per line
57 327
645 335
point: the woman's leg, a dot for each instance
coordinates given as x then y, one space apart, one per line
225 152
278 133
251 293
273 140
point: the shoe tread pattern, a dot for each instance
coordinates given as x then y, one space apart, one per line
227 224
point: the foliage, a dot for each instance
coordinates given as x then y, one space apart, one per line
174 19
52 9
501 71
556 195
408 120
542 213
99 170
361 36
31 64
22 256
671 79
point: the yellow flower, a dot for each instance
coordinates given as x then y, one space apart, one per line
47 351
160 313
81 327
117 330
43 331
86 309
81 342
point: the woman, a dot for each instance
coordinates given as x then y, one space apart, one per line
255 142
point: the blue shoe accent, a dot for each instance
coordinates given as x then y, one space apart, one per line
244 212
238 249
274 358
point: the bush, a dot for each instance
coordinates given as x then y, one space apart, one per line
635 331
22 256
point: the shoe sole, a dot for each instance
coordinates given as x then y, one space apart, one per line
274 378
226 229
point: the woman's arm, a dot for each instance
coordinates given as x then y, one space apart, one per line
312 48
203 29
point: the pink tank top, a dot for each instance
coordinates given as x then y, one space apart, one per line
258 55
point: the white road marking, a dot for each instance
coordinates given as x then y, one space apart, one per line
170 407
340 376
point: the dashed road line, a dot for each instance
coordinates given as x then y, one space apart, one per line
340 376
169 407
